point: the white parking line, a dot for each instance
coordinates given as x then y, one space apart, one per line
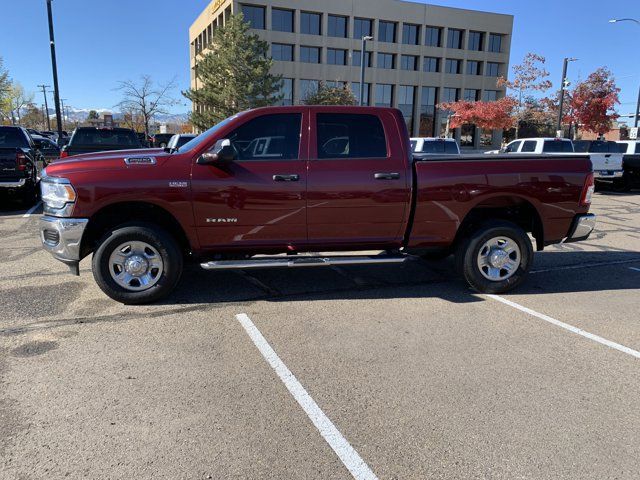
584 265
566 326
347 454
634 268
31 210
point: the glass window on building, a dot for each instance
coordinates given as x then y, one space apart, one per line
355 88
410 34
449 95
254 16
476 41
335 84
486 137
336 56
428 102
467 135
490 95
433 36
451 65
386 31
474 68
282 52
384 95
286 90
281 20
493 69
310 54
386 60
495 42
409 62
471 94
406 100
454 38
362 27
337 26
308 87
357 55
311 23
431 64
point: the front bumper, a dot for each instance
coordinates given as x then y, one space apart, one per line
62 238
581 228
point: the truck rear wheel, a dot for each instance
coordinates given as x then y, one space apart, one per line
495 258
137 264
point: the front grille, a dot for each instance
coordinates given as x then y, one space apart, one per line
51 237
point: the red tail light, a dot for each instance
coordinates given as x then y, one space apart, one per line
21 161
64 154
587 191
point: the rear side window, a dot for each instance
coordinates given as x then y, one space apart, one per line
120 138
12 138
529 146
350 136
269 137
557 146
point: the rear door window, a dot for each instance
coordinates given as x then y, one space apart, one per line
557 146
529 146
350 136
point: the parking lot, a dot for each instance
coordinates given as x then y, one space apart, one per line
376 371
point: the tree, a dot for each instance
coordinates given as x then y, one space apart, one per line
593 102
234 76
497 115
529 77
145 98
325 95
93 115
32 117
15 100
5 83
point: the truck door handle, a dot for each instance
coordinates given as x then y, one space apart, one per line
387 176
286 178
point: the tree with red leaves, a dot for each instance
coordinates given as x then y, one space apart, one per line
593 102
498 115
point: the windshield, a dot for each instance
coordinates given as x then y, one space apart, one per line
203 137
94 137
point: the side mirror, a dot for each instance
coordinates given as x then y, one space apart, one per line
222 153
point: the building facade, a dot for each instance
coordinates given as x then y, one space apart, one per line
420 56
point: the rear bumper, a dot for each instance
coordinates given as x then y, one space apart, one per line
13 183
581 228
607 175
62 237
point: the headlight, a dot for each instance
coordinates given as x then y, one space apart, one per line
56 192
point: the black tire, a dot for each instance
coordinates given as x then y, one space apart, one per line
163 242
468 251
29 194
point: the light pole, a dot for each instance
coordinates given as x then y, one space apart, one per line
637 22
54 67
363 57
562 87
46 104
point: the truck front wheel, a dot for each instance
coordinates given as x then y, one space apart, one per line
495 258
137 264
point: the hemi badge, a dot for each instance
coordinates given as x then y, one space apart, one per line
178 184
140 161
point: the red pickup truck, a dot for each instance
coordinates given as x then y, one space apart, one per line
294 180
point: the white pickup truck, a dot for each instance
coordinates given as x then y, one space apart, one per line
630 150
435 146
605 156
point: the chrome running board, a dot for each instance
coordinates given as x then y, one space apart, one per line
302 261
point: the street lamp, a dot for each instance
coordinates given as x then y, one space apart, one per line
365 39
562 87
637 22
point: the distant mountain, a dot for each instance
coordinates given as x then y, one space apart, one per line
81 114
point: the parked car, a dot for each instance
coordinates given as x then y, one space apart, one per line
435 146
221 202
160 140
98 139
630 150
145 141
20 164
607 165
48 148
178 140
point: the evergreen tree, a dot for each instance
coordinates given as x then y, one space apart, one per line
234 76
326 95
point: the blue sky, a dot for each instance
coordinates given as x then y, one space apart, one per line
100 42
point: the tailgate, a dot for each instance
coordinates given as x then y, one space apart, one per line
8 163
604 162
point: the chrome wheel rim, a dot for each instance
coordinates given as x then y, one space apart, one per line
499 259
136 266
